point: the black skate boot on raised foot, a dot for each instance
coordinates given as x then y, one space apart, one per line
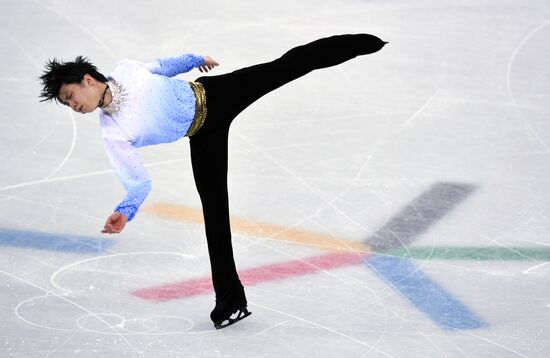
368 44
227 313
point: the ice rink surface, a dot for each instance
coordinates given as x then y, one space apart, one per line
394 206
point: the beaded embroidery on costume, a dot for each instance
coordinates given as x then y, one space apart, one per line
118 98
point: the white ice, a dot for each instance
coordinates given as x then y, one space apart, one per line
460 95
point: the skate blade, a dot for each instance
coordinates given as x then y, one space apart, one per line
241 314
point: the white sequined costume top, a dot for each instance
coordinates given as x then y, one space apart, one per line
148 107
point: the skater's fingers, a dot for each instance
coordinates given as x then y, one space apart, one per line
110 231
209 64
213 63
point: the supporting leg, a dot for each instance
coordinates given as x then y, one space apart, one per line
209 162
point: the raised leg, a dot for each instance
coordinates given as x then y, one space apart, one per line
235 91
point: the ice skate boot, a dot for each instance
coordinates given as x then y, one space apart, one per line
228 312
367 44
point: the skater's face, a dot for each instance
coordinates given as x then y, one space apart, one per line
82 97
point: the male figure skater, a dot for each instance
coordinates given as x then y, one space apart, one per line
142 104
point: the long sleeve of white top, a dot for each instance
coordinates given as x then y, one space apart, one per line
131 173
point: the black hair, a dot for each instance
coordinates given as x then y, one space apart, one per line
58 73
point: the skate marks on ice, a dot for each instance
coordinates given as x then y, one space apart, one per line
419 216
528 126
65 299
412 221
425 294
76 287
245 226
401 274
75 319
400 232
254 276
491 253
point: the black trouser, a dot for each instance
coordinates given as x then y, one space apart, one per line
226 96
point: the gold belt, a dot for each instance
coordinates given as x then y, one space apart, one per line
200 108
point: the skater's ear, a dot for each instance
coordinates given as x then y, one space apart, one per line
89 80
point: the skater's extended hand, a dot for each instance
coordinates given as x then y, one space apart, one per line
115 223
208 64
